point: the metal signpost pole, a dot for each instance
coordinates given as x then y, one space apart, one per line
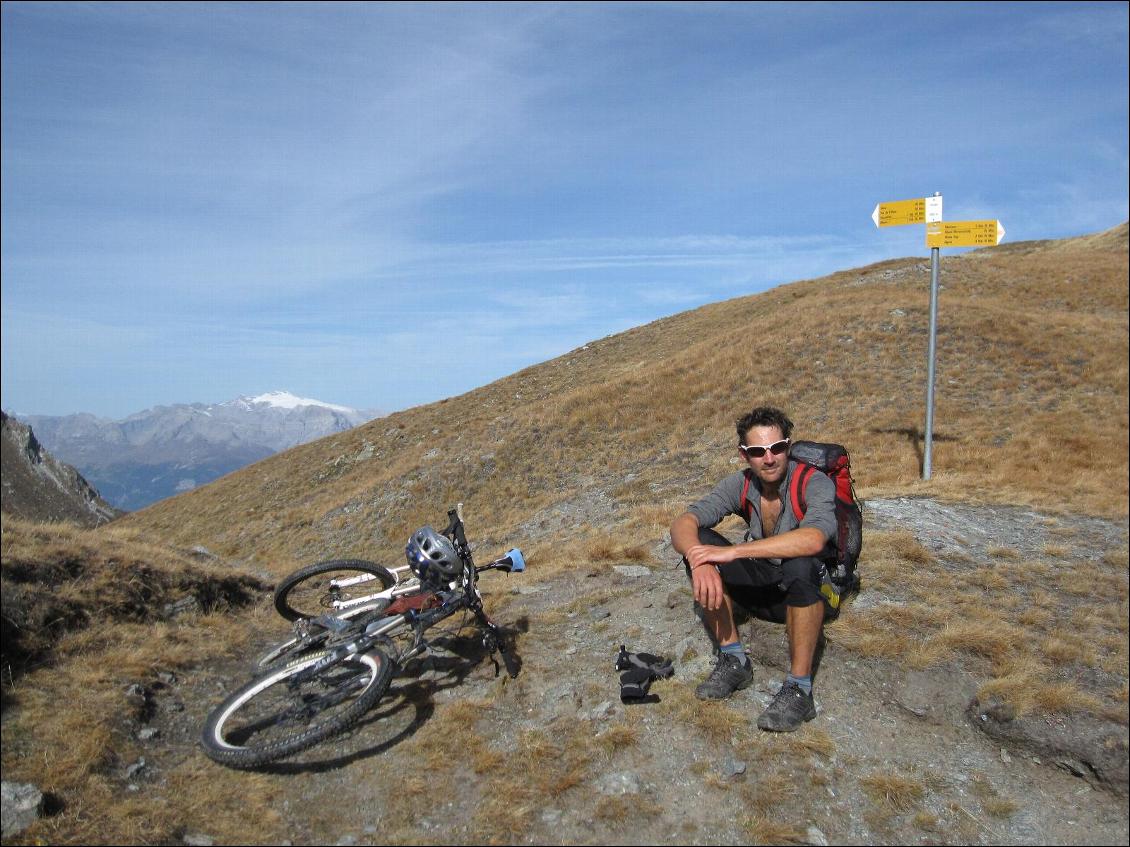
935 271
939 233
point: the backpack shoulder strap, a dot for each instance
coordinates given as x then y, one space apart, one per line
746 507
798 486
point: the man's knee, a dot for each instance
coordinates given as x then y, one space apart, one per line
712 537
801 581
708 536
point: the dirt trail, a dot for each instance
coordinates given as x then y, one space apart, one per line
893 757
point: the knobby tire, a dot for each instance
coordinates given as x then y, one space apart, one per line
275 715
308 592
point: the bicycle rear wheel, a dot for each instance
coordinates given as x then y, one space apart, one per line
293 707
331 587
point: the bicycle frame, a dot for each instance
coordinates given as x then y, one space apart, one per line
413 604
408 585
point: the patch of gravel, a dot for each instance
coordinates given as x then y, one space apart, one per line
976 531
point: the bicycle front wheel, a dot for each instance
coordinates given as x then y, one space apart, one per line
294 707
331 587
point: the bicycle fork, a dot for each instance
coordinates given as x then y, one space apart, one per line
494 641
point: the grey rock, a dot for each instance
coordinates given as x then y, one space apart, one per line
602 711
632 571
1085 746
815 837
148 733
617 783
184 606
21 806
136 769
935 696
198 839
732 767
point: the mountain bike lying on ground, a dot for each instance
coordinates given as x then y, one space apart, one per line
356 625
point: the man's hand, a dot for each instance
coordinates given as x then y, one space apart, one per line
705 579
700 554
707 584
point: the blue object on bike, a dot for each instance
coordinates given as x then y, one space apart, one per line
517 562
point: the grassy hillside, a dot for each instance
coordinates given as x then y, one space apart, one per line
583 461
1031 409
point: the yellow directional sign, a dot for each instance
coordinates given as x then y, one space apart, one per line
964 233
918 211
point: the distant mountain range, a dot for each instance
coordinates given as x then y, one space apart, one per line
166 450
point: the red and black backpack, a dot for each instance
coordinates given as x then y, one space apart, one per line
833 460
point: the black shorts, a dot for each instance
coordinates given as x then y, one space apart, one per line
758 588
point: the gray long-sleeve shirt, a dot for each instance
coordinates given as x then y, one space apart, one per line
726 499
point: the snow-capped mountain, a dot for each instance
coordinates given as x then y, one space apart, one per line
169 449
286 400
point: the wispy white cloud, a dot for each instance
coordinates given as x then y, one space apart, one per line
250 192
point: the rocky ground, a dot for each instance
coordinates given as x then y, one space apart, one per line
895 756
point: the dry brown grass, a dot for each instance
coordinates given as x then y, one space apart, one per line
79 750
603 550
718 721
617 737
993 804
626 807
60 580
896 791
808 740
89 615
1002 616
762 829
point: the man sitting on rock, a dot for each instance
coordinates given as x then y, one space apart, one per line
775 574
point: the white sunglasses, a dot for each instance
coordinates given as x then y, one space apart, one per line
756 451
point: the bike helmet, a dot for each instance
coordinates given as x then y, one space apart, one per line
432 556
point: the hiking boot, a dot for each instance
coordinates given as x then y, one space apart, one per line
729 675
790 708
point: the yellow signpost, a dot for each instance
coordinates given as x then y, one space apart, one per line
920 210
928 210
964 234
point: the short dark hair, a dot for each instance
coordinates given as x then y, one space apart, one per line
764 416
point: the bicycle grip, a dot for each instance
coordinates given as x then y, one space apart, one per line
517 562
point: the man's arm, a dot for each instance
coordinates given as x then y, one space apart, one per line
705 580
684 532
802 541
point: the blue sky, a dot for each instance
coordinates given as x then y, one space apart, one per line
383 205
